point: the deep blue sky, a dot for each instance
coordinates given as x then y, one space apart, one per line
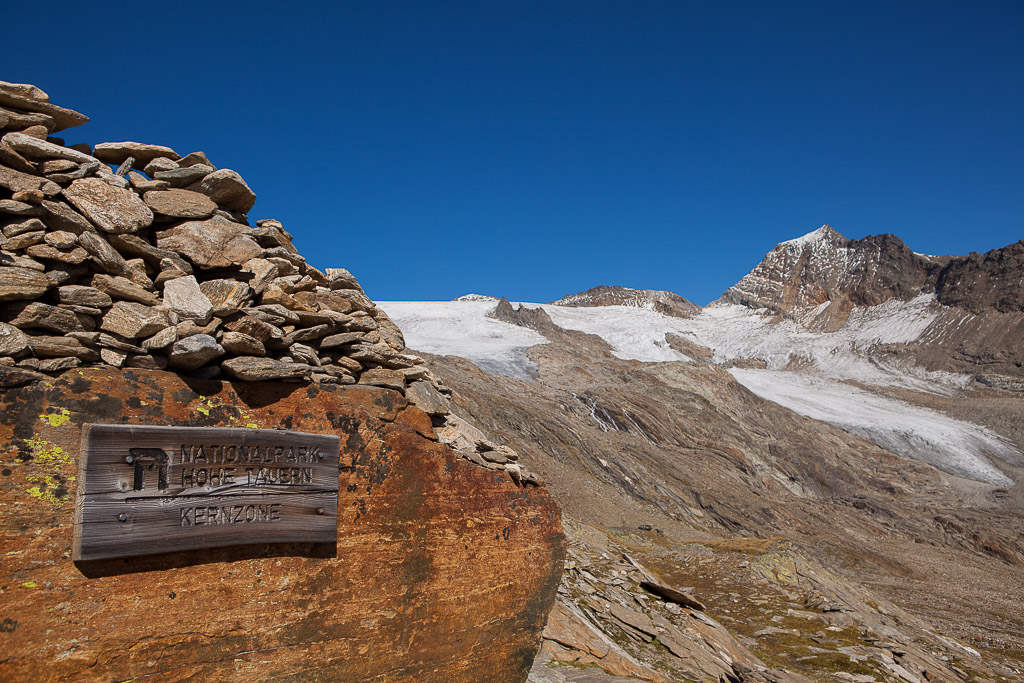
535 149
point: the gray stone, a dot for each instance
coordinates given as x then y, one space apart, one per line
111 209
161 339
42 316
122 288
182 177
428 399
34 148
159 165
253 369
195 158
226 296
134 320
180 203
184 297
227 189
13 341
213 243
239 344
193 352
21 283
118 153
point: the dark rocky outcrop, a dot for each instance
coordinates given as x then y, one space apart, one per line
987 281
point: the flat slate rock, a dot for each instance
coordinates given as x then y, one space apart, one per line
253 369
118 153
213 243
179 203
111 209
20 96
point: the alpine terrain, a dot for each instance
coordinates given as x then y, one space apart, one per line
815 477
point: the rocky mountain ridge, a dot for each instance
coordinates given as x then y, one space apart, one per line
664 302
824 266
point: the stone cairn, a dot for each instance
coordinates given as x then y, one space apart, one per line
154 265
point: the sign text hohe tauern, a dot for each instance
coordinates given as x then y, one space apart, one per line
148 489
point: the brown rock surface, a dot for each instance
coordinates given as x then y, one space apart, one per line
24 97
214 243
180 203
111 209
442 570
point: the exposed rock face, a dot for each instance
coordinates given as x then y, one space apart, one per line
442 571
666 303
825 266
988 281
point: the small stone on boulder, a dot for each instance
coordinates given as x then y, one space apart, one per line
228 189
254 369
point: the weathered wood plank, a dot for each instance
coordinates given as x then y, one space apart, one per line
153 489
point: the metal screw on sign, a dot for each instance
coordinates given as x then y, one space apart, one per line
122 517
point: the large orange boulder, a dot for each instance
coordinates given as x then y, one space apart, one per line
443 571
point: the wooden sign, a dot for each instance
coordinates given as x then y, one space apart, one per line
146 490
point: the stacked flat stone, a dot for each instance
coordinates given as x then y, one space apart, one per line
154 264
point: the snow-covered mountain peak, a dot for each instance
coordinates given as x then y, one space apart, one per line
822 234
476 297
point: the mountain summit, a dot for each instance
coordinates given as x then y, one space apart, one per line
823 265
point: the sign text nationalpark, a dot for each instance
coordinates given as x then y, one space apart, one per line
147 489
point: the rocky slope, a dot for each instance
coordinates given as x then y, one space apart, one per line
666 303
887 545
147 297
